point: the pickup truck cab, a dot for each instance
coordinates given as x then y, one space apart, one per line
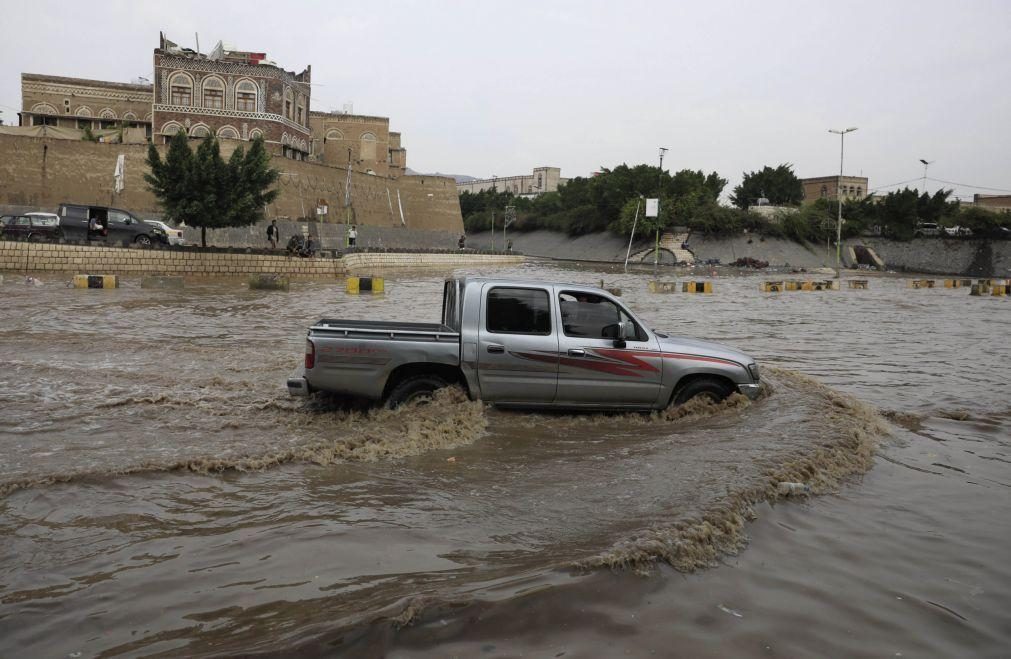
522 344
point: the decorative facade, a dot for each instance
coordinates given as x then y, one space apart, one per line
78 103
543 179
232 94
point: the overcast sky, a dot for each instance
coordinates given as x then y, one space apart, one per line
485 88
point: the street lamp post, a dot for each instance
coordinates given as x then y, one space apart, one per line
925 165
659 187
838 197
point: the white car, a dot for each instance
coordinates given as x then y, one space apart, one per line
175 236
965 232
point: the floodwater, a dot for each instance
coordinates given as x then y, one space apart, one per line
162 494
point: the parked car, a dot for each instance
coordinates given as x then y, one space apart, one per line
104 224
957 231
175 236
32 226
925 229
522 344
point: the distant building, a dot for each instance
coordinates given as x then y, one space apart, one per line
832 187
543 179
373 147
1000 203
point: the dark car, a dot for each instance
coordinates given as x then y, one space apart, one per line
31 226
104 224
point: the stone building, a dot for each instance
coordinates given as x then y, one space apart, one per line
235 95
543 179
999 203
831 187
79 103
364 140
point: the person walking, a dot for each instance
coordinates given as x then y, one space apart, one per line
352 236
462 243
273 234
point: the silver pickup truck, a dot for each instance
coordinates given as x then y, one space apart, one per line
522 344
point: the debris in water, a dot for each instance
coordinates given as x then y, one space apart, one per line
793 489
451 459
736 614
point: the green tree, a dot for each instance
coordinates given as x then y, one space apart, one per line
202 190
780 186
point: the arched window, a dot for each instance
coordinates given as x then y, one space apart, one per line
181 89
333 134
245 96
228 133
214 92
170 128
368 147
83 111
300 110
43 108
860 191
129 116
107 113
255 133
200 130
289 105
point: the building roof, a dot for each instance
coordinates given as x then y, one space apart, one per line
63 80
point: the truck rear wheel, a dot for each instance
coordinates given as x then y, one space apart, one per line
712 388
415 389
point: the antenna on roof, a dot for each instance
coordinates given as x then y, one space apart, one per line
198 42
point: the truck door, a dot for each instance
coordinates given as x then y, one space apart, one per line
517 345
592 369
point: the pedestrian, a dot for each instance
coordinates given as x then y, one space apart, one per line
352 236
273 234
462 243
509 246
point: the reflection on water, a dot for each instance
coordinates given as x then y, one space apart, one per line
151 455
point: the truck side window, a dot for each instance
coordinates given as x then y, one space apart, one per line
592 316
519 311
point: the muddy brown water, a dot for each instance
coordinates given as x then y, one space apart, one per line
163 495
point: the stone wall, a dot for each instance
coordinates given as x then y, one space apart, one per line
380 260
79 259
40 173
327 235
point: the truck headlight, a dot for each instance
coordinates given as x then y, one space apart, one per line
753 369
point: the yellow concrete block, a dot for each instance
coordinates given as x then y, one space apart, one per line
858 283
1001 290
921 283
697 287
772 287
96 281
663 286
356 285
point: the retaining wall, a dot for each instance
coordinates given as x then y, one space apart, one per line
50 257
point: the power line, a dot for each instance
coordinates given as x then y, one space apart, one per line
966 185
892 185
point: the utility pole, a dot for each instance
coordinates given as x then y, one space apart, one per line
925 165
347 202
838 197
659 189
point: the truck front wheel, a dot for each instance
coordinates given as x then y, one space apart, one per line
714 389
415 389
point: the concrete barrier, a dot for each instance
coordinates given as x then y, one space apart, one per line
696 287
957 283
772 287
921 283
859 283
96 281
162 282
268 283
356 285
1001 290
663 287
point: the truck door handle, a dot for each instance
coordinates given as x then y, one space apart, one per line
496 348
576 352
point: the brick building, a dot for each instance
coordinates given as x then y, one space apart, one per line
232 94
543 179
373 147
236 95
830 187
78 103
999 203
